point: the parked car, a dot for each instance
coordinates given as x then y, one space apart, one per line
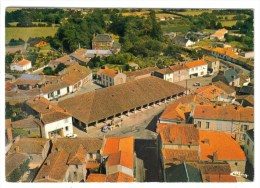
196 84
105 129
71 135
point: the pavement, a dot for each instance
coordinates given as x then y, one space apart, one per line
141 125
202 80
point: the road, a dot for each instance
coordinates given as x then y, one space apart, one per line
202 80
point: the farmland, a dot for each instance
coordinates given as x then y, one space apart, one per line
194 12
26 32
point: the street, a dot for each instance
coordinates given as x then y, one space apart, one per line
202 80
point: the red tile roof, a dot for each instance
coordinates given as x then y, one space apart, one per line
194 99
176 111
29 145
108 72
216 172
229 113
103 103
114 145
195 63
23 62
218 178
49 111
96 178
226 147
171 155
120 151
54 167
121 158
178 134
119 177
209 91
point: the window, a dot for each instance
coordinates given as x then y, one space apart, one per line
31 158
76 166
207 125
244 128
66 128
58 92
199 124
242 137
236 163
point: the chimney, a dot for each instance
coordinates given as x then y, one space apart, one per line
48 162
206 141
17 149
49 106
215 156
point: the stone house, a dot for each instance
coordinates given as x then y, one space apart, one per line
118 156
176 113
56 121
213 63
29 127
109 77
36 149
102 42
229 77
221 147
197 68
21 66
229 119
68 160
138 74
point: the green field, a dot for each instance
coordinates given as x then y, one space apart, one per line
194 12
175 28
12 9
15 23
228 23
26 32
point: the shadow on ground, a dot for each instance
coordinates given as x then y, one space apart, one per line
146 150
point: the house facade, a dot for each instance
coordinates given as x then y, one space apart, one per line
219 34
35 148
229 119
109 77
221 147
197 68
21 66
102 42
229 77
56 121
213 63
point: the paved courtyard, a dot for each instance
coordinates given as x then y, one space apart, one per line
202 80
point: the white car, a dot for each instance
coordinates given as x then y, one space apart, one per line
71 135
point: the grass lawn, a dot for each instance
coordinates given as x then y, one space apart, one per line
135 13
194 12
26 32
175 28
228 23
12 9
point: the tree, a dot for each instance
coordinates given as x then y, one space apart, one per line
48 71
59 68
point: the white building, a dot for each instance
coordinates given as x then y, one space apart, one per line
22 65
197 68
56 121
